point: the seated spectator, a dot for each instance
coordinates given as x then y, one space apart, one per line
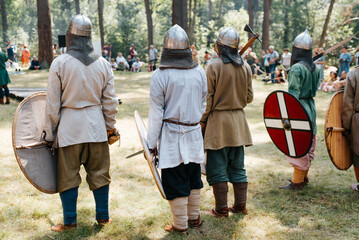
326 85
35 65
114 65
136 66
279 77
340 84
129 62
258 69
121 62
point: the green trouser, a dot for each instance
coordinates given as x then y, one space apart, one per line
226 165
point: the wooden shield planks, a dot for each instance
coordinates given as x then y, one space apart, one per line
338 147
142 133
35 158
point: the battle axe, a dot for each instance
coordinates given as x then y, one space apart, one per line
255 36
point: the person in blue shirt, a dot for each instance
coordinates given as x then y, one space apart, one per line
11 50
35 65
344 61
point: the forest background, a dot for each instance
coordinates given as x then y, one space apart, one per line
127 22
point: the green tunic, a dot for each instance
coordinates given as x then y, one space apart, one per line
304 84
4 76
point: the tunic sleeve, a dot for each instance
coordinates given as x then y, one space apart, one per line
210 92
53 105
294 78
204 92
155 117
109 101
250 88
348 104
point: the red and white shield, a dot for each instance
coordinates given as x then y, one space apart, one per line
288 124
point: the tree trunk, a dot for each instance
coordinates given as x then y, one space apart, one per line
251 15
265 25
326 23
220 15
44 32
179 13
77 6
210 10
193 22
149 22
100 21
4 20
190 30
286 25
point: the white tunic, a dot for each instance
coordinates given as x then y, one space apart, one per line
178 95
81 102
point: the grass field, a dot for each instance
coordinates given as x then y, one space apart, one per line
326 209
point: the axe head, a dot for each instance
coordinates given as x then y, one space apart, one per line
247 28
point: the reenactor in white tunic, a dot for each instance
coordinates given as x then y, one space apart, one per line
177 101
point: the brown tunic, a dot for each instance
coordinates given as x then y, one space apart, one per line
350 112
229 91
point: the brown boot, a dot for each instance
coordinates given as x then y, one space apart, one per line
197 223
62 227
240 198
1 101
220 191
7 100
102 222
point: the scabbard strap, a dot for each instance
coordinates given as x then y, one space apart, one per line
181 123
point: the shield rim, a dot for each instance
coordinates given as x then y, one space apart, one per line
310 123
326 133
148 158
14 144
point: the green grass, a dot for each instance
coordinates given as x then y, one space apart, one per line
326 209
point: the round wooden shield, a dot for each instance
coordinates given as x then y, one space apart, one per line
288 124
142 133
36 160
337 145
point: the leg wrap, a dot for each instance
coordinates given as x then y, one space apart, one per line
298 176
240 193
69 202
220 191
179 212
101 199
194 200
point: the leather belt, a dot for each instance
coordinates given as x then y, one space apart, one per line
181 123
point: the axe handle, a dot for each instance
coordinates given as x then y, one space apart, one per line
248 44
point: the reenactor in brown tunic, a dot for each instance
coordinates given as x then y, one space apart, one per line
350 118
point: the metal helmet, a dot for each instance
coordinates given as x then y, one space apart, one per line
303 41
80 26
176 38
229 37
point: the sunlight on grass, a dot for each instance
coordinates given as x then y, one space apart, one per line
326 209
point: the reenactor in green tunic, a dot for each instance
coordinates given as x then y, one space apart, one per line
4 79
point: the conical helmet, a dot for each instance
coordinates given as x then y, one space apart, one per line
80 26
176 38
303 41
229 37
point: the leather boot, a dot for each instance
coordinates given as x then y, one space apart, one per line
294 186
1 101
220 191
240 198
179 212
7 100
